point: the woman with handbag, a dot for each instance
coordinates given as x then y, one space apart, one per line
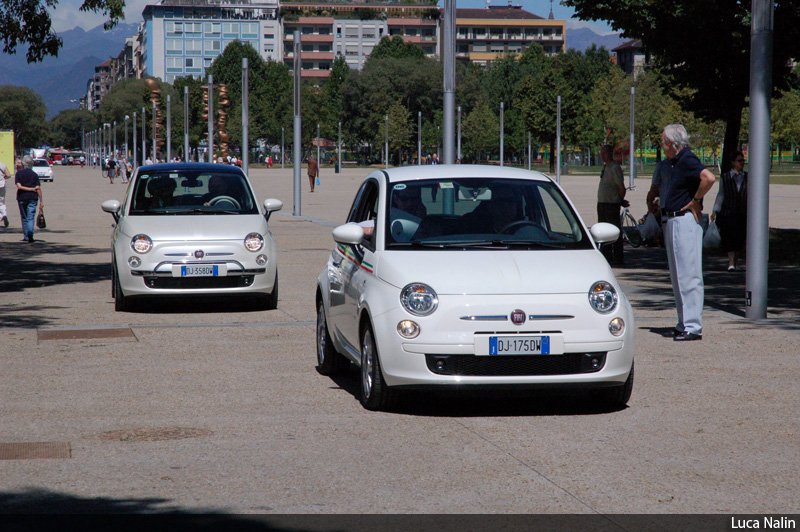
730 210
29 197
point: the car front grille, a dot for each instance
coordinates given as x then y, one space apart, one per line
198 283
515 366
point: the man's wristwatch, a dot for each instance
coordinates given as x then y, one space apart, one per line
697 200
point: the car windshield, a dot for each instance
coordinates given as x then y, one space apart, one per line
481 213
40 162
192 192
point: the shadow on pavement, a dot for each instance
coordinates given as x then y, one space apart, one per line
26 265
647 272
503 402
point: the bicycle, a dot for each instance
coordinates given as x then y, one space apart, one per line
629 225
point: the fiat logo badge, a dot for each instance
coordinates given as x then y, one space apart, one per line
199 254
518 317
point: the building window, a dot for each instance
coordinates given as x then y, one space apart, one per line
189 62
212 28
250 30
230 30
193 46
324 30
269 36
174 46
213 46
307 47
324 47
307 65
307 30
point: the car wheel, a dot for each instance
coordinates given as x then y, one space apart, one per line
120 301
329 360
617 397
375 394
271 301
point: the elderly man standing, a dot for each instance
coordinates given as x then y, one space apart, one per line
682 207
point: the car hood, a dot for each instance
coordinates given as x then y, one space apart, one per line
197 227
496 272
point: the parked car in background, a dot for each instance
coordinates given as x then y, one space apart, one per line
43 169
472 276
192 229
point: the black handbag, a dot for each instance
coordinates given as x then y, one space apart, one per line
41 223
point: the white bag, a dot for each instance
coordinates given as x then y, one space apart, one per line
650 228
712 239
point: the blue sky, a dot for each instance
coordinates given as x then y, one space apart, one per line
67 15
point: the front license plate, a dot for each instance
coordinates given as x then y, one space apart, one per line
519 345
199 270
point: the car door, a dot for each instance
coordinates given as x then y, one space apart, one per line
355 266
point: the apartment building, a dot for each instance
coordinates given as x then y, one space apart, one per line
183 37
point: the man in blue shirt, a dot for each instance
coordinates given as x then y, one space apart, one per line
682 207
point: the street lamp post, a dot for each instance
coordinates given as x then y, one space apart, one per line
169 128
502 133
386 142
153 139
245 116
186 123
114 139
135 154
458 149
419 138
144 136
126 137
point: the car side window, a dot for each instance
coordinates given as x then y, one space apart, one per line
365 212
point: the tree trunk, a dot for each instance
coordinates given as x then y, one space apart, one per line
733 124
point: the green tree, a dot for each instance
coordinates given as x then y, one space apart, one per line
67 127
703 46
400 129
28 22
480 132
23 111
396 48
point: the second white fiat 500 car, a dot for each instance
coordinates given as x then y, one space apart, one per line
461 275
189 229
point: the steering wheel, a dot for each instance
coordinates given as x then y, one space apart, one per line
513 227
222 199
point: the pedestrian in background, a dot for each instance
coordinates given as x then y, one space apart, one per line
682 207
313 171
610 198
4 173
730 210
29 196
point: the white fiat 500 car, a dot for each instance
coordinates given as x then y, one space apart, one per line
461 275
43 169
192 229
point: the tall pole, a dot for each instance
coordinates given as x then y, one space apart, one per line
386 142
631 154
758 186
144 135
339 148
245 116
298 124
502 133
449 60
558 139
319 161
153 139
210 118
419 137
529 150
186 123
126 137
458 136
283 144
135 154
169 128
114 139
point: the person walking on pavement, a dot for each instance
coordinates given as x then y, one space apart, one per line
4 174
730 210
610 197
313 171
29 196
682 207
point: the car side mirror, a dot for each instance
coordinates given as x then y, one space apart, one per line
603 232
112 207
349 234
272 205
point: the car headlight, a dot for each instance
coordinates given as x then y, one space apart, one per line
419 299
254 242
141 243
603 297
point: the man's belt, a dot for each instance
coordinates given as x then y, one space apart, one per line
672 214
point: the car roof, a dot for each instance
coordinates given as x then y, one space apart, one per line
443 171
38 159
191 167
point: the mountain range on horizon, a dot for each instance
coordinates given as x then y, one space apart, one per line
61 81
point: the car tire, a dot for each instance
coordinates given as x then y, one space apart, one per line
271 301
375 394
329 360
617 397
121 302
